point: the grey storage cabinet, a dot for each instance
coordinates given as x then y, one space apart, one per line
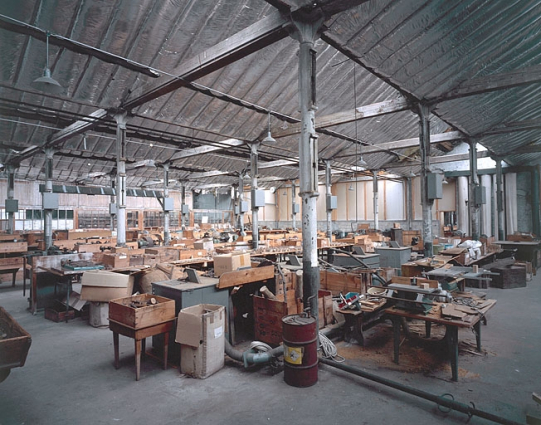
344 260
187 294
393 257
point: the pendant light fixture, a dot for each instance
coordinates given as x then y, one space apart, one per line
269 138
46 83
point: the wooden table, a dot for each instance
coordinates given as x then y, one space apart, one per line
140 335
452 326
357 321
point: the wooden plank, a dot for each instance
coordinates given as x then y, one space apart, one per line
10 247
241 277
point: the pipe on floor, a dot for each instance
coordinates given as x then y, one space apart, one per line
470 410
249 358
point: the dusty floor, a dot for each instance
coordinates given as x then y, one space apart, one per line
69 377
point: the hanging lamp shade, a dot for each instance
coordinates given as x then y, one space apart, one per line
269 139
46 83
362 162
411 174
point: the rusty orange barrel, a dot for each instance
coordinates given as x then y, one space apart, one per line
299 333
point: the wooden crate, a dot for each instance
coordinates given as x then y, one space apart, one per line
11 247
14 348
346 282
116 261
122 312
268 319
325 310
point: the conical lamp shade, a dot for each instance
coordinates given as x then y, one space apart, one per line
362 162
47 83
269 139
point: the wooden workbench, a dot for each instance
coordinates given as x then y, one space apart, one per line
452 326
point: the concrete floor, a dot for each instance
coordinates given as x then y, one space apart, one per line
69 378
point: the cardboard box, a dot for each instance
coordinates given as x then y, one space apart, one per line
200 331
102 285
229 262
206 244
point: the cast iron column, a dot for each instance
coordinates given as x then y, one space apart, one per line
166 213
474 184
183 202
48 213
306 34
293 212
409 201
11 195
329 194
499 200
121 120
255 210
241 200
376 204
535 200
424 139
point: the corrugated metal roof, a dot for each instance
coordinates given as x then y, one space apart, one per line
380 50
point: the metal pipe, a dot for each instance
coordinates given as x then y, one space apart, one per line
121 120
470 410
250 357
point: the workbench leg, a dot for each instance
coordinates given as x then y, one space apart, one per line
115 344
14 278
477 331
428 328
143 348
452 341
68 301
165 349
137 359
396 332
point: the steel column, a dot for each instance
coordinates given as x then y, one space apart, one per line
535 201
183 202
48 213
166 213
424 140
306 34
255 210
410 201
474 183
376 203
121 120
293 212
241 199
328 193
11 195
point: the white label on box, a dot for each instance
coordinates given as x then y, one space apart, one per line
218 332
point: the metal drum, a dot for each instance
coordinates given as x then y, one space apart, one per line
299 333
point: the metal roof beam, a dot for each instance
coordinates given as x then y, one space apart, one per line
255 37
413 142
14 25
490 83
186 153
362 112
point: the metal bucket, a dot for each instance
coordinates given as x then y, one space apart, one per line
299 333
